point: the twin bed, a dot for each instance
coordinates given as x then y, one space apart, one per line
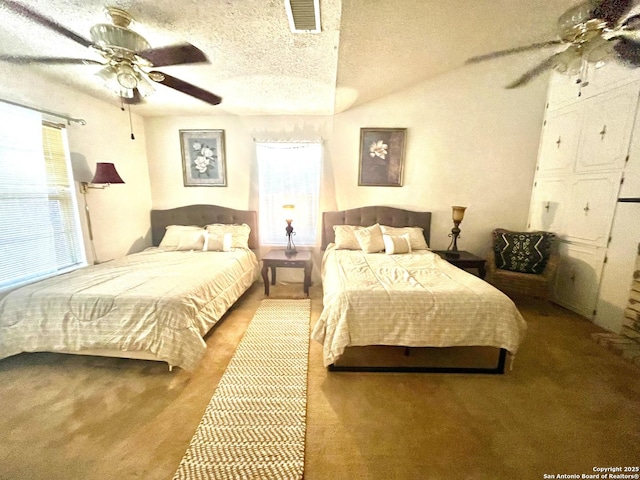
381 284
156 305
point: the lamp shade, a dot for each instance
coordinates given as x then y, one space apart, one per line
106 173
288 212
458 213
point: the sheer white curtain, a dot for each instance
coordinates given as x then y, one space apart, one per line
289 173
39 226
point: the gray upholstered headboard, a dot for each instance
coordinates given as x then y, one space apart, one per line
366 216
202 215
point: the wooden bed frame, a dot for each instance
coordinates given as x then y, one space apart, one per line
187 215
393 217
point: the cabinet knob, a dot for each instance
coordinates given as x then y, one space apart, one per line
603 132
586 208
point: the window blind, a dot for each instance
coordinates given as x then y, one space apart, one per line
39 225
289 173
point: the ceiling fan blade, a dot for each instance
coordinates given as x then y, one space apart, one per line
45 21
630 29
632 23
510 51
532 73
184 87
611 11
25 59
628 52
174 55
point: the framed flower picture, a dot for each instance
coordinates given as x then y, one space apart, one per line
203 158
381 157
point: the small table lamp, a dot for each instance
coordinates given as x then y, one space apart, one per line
457 215
288 211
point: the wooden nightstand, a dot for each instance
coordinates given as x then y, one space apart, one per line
464 260
278 258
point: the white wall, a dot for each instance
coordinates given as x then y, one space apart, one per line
120 213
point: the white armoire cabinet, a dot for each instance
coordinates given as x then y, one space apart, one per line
586 150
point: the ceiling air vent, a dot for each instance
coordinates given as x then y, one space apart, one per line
304 15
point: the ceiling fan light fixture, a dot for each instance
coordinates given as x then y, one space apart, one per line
106 74
144 85
569 61
108 77
573 18
118 38
126 76
126 92
598 51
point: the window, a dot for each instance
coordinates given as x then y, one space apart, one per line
39 225
289 173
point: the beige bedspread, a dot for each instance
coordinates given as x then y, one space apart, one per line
155 301
415 299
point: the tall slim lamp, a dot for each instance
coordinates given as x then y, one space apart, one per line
105 175
288 213
457 215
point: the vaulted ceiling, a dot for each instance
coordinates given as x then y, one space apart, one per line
366 49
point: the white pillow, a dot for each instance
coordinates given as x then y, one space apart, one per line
192 240
239 233
345 237
370 239
395 244
416 235
171 237
219 243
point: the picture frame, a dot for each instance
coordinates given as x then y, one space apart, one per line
381 157
203 158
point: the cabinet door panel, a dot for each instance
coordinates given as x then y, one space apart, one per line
548 205
606 129
591 204
578 277
631 185
559 142
607 77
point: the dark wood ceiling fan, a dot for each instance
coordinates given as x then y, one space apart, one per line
128 59
592 31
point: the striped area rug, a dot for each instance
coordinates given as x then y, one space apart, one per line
254 426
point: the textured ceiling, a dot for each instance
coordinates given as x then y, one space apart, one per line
367 48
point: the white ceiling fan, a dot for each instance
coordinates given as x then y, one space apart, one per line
128 59
592 31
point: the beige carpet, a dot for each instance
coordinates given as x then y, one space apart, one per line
567 406
254 426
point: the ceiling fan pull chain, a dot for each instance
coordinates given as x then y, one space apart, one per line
130 123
